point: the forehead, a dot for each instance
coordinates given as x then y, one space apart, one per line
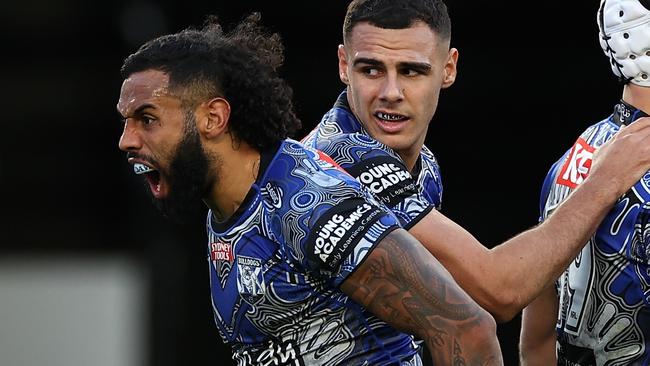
416 43
142 87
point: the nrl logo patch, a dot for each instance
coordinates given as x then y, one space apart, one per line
250 279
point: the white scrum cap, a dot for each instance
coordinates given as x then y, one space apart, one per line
625 37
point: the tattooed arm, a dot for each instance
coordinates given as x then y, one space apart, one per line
403 284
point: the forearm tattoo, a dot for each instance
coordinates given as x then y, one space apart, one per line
415 294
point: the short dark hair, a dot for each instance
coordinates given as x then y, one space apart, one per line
398 14
240 65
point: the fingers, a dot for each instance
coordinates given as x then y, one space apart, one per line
625 158
638 125
633 137
639 134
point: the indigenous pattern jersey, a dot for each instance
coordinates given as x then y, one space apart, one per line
604 295
341 136
277 263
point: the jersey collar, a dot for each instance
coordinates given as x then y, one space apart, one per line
624 114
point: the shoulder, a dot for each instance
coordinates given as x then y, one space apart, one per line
321 212
350 148
599 133
430 163
303 177
587 142
428 158
573 166
336 121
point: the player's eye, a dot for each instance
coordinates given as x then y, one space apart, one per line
370 71
410 72
147 119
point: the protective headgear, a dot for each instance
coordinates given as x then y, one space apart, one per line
625 37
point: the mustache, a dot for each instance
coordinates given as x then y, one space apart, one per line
142 157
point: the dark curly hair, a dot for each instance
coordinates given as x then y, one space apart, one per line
240 65
398 14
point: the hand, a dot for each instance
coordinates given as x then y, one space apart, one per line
625 158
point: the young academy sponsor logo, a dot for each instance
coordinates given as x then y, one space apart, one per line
577 165
337 231
387 178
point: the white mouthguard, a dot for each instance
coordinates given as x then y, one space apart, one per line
141 168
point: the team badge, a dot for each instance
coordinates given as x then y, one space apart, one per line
250 280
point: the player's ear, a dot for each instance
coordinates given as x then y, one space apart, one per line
450 68
343 65
216 118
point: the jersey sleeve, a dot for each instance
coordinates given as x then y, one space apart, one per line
341 235
380 169
329 221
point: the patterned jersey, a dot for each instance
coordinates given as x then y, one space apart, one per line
277 263
604 295
341 136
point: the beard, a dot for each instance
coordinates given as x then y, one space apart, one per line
187 177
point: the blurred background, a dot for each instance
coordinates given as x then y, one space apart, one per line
90 274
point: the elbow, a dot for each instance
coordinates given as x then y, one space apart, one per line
482 339
487 326
503 304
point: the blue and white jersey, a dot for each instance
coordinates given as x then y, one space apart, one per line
341 136
604 295
276 266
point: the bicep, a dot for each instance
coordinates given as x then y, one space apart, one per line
404 285
537 341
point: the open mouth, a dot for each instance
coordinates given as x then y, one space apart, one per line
391 123
153 178
390 117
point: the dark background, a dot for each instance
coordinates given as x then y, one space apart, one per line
531 78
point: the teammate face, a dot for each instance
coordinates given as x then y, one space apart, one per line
162 143
394 77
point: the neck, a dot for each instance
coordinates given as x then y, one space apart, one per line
411 154
410 159
235 174
637 96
